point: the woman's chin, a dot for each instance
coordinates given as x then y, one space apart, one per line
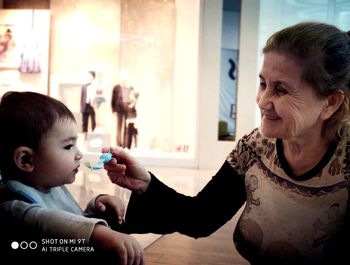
267 132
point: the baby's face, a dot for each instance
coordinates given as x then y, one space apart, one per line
58 159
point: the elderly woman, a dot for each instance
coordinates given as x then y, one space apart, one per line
292 172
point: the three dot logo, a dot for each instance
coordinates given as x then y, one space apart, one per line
24 245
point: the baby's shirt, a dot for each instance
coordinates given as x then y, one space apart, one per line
55 213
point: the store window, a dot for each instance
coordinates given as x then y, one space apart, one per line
146 70
228 71
24 50
148 50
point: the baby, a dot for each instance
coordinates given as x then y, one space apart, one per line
38 157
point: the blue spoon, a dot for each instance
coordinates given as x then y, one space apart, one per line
104 158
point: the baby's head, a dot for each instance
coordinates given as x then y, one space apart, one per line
26 118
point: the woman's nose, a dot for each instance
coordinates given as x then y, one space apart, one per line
264 99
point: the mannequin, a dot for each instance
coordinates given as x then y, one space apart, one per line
119 107
124 105
130 129
86 104
98 102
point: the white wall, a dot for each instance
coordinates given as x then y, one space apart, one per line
185 101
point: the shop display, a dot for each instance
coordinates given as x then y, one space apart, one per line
140 101
24 50
7 45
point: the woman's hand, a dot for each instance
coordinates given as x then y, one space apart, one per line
126 171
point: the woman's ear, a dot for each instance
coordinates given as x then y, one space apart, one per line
23 157
333 102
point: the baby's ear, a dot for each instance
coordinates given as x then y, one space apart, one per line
23 157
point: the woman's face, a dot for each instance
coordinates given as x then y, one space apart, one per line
289 106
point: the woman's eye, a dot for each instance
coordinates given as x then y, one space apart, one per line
280 90
262 85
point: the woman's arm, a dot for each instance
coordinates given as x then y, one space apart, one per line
162 210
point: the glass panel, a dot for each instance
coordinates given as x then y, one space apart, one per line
24 50
146 59
229 62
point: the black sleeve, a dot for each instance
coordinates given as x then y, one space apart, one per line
162 210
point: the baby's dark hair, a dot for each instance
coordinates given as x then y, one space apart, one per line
26 117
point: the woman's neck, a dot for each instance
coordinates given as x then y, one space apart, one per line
305 153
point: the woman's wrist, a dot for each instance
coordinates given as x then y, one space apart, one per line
146 183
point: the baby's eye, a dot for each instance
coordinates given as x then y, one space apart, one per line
68 147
